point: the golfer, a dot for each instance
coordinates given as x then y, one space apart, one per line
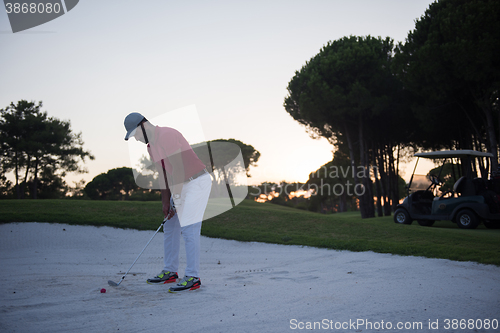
185 188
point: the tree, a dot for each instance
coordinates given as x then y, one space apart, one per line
35 144
5 186
229 161
450 61
222 149
333 184
223 158
116 184
77 191
341 92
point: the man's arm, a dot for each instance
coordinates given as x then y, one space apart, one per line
178 174
164 188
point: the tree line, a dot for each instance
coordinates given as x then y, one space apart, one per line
377 102
218 155
39 150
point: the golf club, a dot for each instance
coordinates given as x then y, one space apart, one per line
114 284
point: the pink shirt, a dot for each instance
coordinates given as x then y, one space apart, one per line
166 142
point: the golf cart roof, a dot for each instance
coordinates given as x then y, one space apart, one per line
453 153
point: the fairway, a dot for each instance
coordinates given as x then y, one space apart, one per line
251 221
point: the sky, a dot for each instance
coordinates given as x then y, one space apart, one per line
230 60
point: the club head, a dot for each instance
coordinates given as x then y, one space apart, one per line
112 284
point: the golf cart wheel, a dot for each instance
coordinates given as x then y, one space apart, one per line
425 223
467 219
401 216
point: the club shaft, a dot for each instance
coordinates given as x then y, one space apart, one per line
123 277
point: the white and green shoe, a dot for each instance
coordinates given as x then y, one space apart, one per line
187 283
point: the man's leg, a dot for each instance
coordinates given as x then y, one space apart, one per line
191 234
171 244
195 194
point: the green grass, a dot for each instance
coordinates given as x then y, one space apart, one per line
141 215
252 221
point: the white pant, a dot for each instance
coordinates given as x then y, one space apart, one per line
194 199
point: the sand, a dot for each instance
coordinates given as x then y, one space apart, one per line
51 276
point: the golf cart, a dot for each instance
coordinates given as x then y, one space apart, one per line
469 202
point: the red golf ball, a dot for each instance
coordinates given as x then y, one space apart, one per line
103 291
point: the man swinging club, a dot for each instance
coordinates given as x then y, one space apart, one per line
185 189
